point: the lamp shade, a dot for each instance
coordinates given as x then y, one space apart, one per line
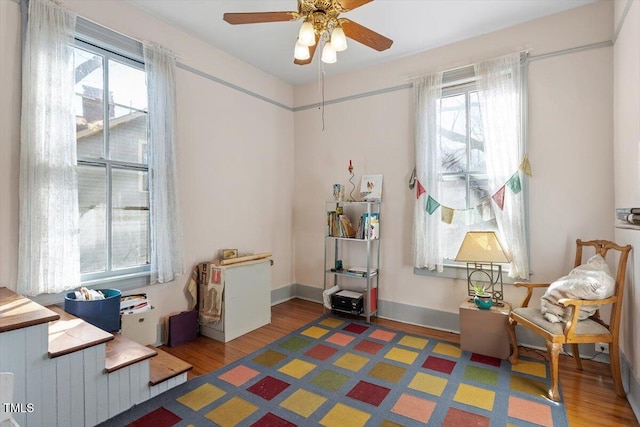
301 51
481 246
338 39
307 35
329 55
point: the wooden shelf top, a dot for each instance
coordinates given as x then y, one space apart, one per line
18 312
70 334
121 352
165 366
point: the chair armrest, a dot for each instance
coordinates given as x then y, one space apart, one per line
575 304
580 302
530 287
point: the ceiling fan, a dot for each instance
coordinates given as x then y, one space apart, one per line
321 21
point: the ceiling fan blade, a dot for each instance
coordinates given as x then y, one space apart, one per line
365 36
348 5
312 51
258 17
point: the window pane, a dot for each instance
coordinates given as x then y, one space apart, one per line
92 203
476 135
88 103
127 113
130 219
453 124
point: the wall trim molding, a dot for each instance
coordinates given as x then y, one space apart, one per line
231 85
607 43
623 17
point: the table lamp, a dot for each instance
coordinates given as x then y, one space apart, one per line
483 254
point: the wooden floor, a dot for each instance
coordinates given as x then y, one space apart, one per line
589 395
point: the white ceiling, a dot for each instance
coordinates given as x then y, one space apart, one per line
413 25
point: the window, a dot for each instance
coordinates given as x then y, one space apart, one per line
470 161
463 174
92 200
113 172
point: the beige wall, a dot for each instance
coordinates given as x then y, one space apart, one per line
626 130
570 148
234 150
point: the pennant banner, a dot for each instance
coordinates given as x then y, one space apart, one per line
514 183
484 210
419 189
446 214
525 166
432 205
499 198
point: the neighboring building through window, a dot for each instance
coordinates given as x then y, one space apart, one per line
113 172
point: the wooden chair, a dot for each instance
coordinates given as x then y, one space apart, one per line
576 332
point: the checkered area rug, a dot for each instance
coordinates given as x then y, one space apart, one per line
338 372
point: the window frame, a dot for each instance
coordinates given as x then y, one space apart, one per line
109 165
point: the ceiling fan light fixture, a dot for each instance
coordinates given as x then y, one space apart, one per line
329 55
307 35
301 51
338 39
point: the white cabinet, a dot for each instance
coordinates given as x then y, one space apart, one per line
352 259
246 300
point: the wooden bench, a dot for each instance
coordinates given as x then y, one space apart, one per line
69 334
122 351
165 366
17 312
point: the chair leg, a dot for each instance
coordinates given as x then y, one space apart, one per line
576 356
514 343
554 352
614 361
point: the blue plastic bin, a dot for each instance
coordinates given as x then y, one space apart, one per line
105 313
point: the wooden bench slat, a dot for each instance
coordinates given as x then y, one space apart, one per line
70 334
165 366
18 312
122 351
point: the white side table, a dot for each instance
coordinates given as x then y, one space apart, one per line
485 331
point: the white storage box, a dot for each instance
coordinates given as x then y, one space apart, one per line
141 327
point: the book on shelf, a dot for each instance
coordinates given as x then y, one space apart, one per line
347 227
339 225
370 226
359 271
629 215
633 218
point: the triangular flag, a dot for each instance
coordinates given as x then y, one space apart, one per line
468 216
525 166
446 215
485 211
499 198
419 189
514 183
432 205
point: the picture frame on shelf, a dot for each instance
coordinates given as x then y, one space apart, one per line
371 188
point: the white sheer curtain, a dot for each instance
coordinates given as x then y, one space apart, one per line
166 230
499 91
427 229
49 258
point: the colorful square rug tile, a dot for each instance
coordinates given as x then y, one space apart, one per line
338 372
